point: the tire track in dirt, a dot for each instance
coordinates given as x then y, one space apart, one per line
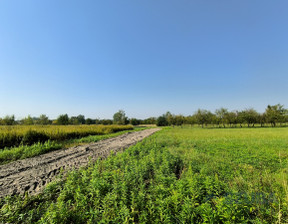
32 174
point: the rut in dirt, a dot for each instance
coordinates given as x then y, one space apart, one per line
32 174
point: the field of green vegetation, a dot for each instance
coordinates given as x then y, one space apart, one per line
24 141
178 175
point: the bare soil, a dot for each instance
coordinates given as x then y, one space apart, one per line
32 174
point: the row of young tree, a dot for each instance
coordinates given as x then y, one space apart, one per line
273 115
63 119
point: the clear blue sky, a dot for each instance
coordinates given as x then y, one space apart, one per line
145 57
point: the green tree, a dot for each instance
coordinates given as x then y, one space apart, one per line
162 121
90 121
250 116
9 120
120 118
134 121
202 117
63 119
81 119
43 120
28 120
221 114
231 118
275 114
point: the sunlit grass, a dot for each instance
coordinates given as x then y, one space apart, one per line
179 175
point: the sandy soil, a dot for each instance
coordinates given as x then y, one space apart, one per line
32 174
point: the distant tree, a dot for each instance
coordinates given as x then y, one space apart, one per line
74 120
150 120
221 114
202 117
190 120
43 120
162 121
231 118
275 114
179 120
8 120
170 118
134 121
81 119
250 116
28 120
63 119
106 122
120 118
90 121
262 119
240 117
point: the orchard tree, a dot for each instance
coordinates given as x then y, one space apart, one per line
90 121
120 118
43 119
134 121
231 118
250 116
8 120
202 117
221 114
28 120
81 119
162 121
276 113
63 119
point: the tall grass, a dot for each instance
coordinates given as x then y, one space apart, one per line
180 175
12 136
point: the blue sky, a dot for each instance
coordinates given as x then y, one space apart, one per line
145 57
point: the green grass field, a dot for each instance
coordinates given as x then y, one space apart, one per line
179 175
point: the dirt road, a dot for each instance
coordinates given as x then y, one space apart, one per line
33 174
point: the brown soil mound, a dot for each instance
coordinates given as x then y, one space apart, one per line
31 175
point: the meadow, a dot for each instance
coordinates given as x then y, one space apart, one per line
178 175
24 141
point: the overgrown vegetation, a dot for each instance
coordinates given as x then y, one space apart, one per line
24 151
13 136
273 116
180 175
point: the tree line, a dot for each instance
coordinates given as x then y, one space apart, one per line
274 115
63 119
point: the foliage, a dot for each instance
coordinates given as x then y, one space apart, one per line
25 151
134 121
43 120
11 136
162 121
180 175
28 120
63 119
120 118
273 115
8 120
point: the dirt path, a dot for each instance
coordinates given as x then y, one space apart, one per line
33 174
